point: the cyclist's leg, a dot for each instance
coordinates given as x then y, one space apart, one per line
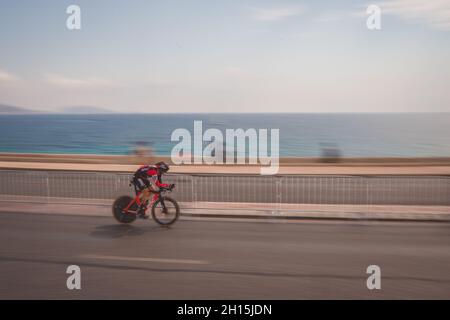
145 196
155 197
146 193
141 185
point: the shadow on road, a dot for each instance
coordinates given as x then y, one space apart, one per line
123 230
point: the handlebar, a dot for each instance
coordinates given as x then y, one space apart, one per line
170 187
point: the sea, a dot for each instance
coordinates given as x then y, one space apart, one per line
300 134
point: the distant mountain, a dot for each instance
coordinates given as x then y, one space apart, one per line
7 109
84 110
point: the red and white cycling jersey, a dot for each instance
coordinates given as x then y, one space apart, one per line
148 175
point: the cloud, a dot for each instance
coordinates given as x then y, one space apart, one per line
435 13
68 82
7 77
275 14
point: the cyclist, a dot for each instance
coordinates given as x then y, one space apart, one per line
148 180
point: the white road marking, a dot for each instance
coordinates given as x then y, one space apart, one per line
144 259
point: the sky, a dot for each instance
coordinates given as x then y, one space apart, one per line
226 56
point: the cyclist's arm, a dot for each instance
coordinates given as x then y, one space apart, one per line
160 184
154 177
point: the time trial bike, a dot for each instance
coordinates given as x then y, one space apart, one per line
165 210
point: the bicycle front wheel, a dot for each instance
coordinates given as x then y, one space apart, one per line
165 211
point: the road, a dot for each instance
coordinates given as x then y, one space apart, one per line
201 259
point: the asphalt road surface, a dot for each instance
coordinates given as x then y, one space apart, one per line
220 259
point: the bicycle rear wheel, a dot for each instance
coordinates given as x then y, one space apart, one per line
120 204
165 211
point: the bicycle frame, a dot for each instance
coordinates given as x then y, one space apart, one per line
137 199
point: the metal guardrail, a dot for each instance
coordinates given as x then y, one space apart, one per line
202 188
